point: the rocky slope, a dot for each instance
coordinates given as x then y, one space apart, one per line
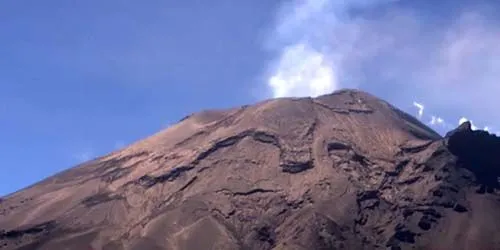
341 171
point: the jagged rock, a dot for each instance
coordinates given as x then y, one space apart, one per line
341 171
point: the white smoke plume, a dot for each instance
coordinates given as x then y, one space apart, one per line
303 72
314 39
446 57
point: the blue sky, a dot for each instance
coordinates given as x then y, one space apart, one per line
79 79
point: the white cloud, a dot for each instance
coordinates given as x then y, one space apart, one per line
420 108
436 120
447 58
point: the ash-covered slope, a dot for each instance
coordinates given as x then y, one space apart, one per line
341 171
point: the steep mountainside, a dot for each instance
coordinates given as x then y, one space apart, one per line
341 171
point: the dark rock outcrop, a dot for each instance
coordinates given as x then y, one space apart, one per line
479 152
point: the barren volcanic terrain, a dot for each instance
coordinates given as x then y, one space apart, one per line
340 171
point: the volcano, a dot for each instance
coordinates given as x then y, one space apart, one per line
341 171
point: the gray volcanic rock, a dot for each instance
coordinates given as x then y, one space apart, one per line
341 171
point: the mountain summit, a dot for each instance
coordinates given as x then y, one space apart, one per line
340 171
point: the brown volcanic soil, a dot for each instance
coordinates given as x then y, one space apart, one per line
341 171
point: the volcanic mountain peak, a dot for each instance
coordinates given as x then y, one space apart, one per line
340 171
353 116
